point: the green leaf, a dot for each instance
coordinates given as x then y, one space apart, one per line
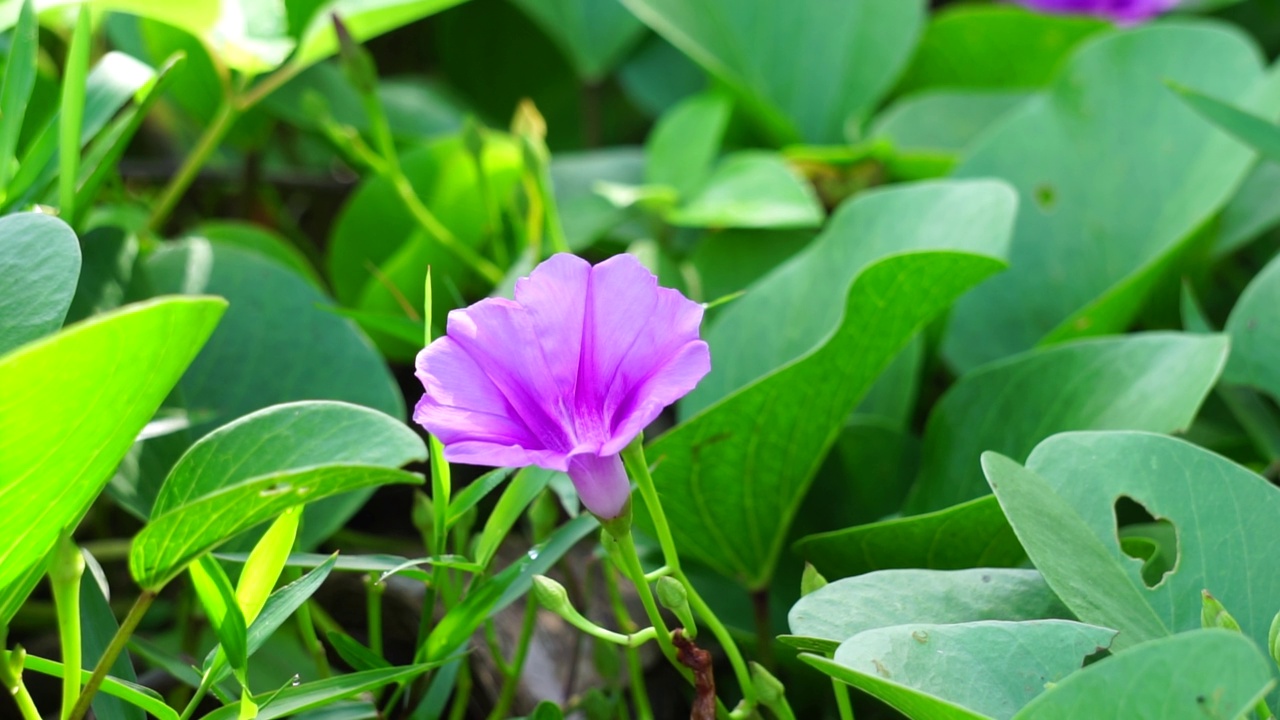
1075 563
106 269
474 492
97 627
751 189
685 141
840 610
1259 133
986 669
657 76
490 595
291 437
322 693
275 346
262 569
112 83
1151 381
71 112
729 261
510 508
1210 501
1251 211
353 653
994 47
15 90
219 601
806 294
170 541
85 392
364 19
260 240
732 477
595 34
1119 237
972 534
1194 675
137 695
39 264
1254 328
751 45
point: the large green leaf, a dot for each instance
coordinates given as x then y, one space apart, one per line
986 669
1191 676
275 346
1251 211
771 53
732 477
291 437
39 264
1259 133
994 47
1108 196
684 143
1154 382
1254 327
1212 503
1076 563
844 608
972 534
72 406
171 541
595 34
929 131
800 303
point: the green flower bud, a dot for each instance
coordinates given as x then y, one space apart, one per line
674 597
552 595
355 60
811 580
1213 614
1273 639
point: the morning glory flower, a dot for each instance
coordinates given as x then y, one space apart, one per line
564 376
1125 12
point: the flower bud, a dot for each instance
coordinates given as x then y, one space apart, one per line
811 580
769 689
674 597
552 595
1214 615
355 60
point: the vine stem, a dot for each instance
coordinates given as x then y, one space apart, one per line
511 683
638 468
64 576
843 702
112 652
635 671
227 114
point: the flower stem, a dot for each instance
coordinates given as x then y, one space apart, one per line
842 699
635 671
64 576
112 652
638 469
226 115
635 572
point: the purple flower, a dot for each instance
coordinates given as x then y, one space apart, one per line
1125 12
565 376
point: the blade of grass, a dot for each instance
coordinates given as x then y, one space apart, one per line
19 80
72 117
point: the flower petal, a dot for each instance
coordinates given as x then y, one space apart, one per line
461 402
601 483
646 399
555 297
499 336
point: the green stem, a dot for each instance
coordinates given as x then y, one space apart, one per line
635 671
64 576
843 702
638 469
307 630
462 695
112 652
511 683
635 573
226 115
201 691
441 234
11 679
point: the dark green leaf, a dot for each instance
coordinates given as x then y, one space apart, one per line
39 264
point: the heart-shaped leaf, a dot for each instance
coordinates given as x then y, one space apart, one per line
732 477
